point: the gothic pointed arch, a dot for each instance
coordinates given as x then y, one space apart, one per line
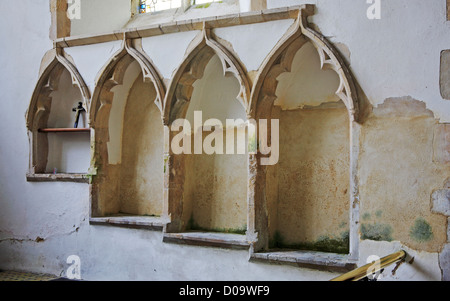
133 108
199 53
55 61
280 60
53 64
112 74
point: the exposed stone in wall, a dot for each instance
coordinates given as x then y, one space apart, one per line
444 81
444 262
441 201
441 144
448 10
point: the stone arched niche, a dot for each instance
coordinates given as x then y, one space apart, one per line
128 140
207 192
308 188
58 150
309 200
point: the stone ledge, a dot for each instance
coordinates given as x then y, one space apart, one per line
136 222
329 262
62 177
208 239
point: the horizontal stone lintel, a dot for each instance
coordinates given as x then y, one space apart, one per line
187 25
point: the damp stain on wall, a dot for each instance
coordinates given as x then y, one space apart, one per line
421 231
376 231
329 244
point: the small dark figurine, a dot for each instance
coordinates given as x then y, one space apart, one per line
78 109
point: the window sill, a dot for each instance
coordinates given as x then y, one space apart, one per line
60 177
137 222
209 239
330 262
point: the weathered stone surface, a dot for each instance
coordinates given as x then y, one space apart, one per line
441 201
448 10
448 230
445 74
441 143
444 262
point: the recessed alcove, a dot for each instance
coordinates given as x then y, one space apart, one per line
214 209
309 187
69 148
58 127
129 134
307 193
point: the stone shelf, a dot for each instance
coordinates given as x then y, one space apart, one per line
65 130
129 221
208 239
308 259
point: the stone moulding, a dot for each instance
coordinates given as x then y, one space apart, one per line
54 62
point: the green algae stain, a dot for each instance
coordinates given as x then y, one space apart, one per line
421 231
339 245
193 226
366 216
377 232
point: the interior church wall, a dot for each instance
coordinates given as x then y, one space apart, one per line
403 164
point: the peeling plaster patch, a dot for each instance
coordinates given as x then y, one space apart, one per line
444 81
421 231
396 171
344 51
402 107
